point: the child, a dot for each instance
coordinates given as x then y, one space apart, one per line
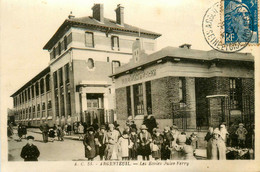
30 152
52 135
81 131
156 145
133 144
60 133
124 144
241 132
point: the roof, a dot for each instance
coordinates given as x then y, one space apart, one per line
34 79
183 53
91 22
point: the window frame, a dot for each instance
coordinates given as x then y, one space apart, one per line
86 43
113 42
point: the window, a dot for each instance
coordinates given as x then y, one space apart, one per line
182 90
42 86
128 100
89 39
54 52
68 104
235 90
148 97
56 103
25 95
115 64
61 76
43 106
91 64
37 88
67 77
49 104
47 81
55 79
33 108
59 48
65 43
22 97
38 107
32 91
29 94
138 99
115 42
108 59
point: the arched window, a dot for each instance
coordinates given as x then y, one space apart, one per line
91 64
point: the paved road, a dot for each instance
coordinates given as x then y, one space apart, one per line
52 151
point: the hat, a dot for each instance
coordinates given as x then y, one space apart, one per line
166 128
90 129
111 125
30 137
216 131
102 127
157 130
222 126
241 124
143 127
133 130
174 127
125 132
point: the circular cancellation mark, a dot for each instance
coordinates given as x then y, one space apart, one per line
232 33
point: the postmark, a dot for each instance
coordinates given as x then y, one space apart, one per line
223 35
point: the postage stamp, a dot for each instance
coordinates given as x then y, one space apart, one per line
240 21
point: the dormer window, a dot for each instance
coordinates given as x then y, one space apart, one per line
115 42
89 39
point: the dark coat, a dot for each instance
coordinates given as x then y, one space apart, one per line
30 153
89 140
133 150
24 130
20 130
100 137
44 128
167 140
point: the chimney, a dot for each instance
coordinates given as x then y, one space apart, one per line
186 46
98 12
120 15
71 16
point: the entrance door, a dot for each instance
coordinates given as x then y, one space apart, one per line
94 105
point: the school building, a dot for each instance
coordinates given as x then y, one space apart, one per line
193 89
76 86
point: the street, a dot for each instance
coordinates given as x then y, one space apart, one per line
52 151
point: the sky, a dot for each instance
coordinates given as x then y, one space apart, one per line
27 25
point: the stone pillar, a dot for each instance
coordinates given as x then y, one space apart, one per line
190 103
65 91
84 104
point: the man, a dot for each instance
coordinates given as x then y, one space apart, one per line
45 129
30 152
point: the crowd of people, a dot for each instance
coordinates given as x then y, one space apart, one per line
108 142
223 143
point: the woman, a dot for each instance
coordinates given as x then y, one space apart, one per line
80 131
111 140
156 145
208 138
134 144
100 142
89 143
145 140
124 144
218 146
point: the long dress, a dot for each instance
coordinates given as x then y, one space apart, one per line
124 143
157 140
134 147
111 139
218 149
145 139
208 138
89 140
